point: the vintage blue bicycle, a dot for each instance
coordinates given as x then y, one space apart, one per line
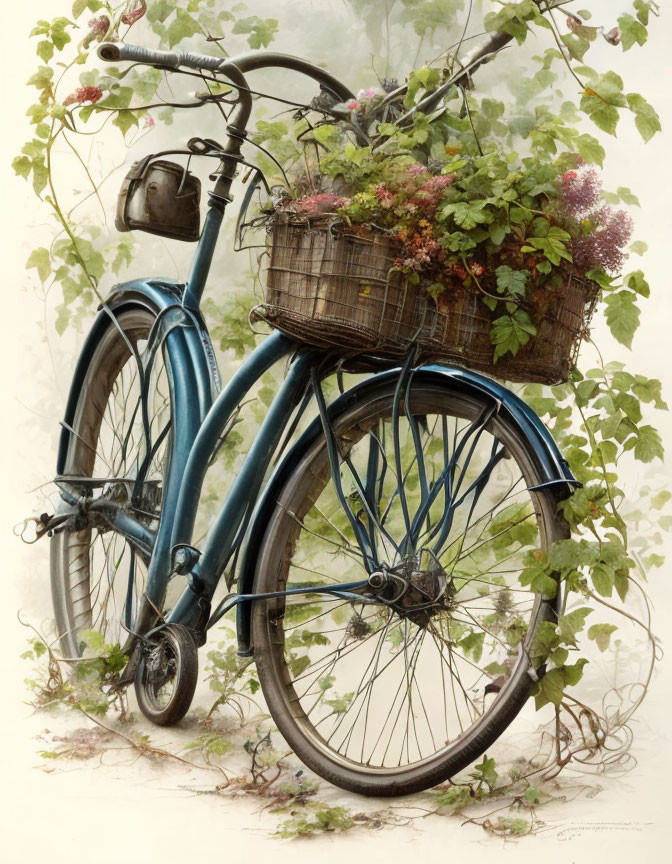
376 566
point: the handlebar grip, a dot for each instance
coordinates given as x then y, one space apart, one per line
111 51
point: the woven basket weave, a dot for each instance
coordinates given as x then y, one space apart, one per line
335 287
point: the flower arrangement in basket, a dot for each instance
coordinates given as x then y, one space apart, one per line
437 234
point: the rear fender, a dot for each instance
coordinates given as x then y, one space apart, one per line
189 345
552 467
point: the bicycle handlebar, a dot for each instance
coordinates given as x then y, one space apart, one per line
111 51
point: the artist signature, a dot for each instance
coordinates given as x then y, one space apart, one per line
577 829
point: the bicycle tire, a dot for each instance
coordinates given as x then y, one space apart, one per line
168 709
81 560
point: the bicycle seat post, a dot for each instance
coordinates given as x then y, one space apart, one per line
220 196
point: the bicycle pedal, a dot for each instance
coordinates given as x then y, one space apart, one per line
41 525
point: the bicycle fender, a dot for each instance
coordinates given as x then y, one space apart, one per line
552 467
189 345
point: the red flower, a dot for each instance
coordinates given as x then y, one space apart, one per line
84 94
135 15
477 269
568 175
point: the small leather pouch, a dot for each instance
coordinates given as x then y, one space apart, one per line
161 198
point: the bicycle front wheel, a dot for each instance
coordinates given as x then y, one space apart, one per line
396 690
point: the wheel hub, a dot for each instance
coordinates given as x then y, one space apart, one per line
160 666
415 592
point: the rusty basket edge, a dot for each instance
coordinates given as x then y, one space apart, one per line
337 288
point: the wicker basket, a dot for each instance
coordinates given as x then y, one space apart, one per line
335 288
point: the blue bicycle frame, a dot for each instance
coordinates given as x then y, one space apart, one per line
200 414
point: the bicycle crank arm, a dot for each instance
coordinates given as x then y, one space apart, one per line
347 591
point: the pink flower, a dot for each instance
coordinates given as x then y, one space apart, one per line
99 26
438 184
325 202
414 170
613 37
382 193
370 93
353 105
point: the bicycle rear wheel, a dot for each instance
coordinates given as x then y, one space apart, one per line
399 689
119 449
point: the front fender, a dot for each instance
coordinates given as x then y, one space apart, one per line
191 346
552 467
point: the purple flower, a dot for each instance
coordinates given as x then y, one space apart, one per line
580 192
603 246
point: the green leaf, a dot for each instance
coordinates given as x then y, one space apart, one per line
41 78
576 45
642 8
533 795
537 574
646 118
590 149
603 579
552 244
467 214
62 318
510 281
601 633
627 196
182 27
22 166
492 108
661 498
510 332
261 31
572 623
637 283
125 120
473 645
649 445
633 32
551 688
485 772
573 674
622 315
601 100
45 50
39 259
80 6
569 554
639 247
